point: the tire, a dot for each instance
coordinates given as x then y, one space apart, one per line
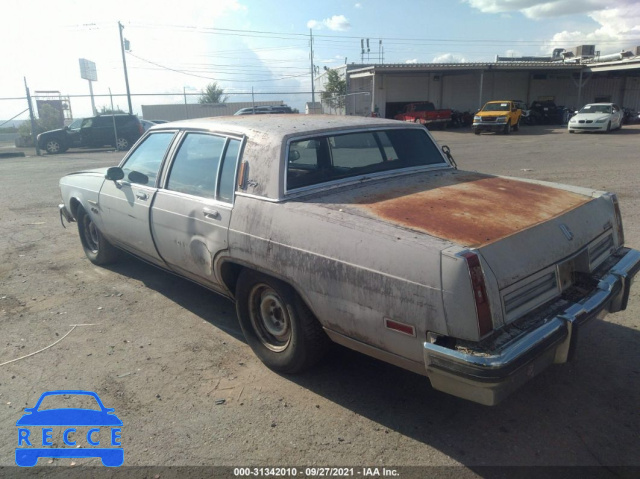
54 146
507 128
122 144
278 326
572 131
476 131
516 127
608 127
96 247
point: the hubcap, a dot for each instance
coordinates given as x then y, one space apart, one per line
269 318
53 147
91 234
123 144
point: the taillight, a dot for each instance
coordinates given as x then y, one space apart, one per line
619 229
483 310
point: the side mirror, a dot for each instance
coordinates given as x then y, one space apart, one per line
576 112
139 178
114 173
66 127
294 155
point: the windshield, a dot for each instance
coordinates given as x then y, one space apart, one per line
502 106
325 158
596 109
75 124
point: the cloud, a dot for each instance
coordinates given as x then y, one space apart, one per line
537 9
413 60
618 20
357 5
448 58
336 23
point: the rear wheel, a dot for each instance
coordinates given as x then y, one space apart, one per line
278 326
123 144
96 247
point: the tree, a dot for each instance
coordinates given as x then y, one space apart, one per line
334 90
213 94
49 120
109 111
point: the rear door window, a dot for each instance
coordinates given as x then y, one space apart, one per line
195 167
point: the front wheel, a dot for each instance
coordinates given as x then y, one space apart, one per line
516 127
96 247
608 127
278 326
507 128
54 147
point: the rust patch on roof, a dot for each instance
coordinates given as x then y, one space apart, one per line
473 209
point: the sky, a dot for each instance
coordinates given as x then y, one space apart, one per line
178 48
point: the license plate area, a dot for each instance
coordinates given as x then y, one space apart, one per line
573 271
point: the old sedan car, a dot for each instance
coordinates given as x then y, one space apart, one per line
362 231
602 117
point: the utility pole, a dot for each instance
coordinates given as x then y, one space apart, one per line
124 64
33 119
313 89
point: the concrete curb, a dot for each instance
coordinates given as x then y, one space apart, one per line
13 154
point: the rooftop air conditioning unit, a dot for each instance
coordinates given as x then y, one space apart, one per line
585 51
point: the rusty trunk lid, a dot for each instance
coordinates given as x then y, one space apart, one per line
515 224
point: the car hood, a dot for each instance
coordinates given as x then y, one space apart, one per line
94 172
51 132
591 116
69 417
493 113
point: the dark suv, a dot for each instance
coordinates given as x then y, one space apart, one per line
95 131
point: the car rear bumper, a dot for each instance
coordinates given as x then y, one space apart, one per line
489 378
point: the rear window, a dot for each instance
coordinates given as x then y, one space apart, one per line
326 158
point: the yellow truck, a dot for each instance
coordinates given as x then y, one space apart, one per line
500 116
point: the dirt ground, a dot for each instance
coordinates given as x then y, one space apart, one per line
170 358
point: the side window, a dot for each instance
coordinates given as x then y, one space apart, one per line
87 122
146 159
101 121
195 167
227 184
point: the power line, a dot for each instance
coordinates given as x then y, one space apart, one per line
211 78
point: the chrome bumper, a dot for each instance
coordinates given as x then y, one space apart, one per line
64 213
490 378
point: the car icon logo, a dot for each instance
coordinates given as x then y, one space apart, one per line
98 427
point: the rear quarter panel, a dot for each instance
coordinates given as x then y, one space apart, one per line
353 272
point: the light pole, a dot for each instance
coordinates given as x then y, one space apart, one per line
124 64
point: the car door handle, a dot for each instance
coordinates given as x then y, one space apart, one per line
209 213
141 195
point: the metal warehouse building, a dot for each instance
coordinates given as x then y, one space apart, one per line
467 86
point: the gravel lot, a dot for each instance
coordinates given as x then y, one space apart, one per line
165 353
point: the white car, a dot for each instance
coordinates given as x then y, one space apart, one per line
597 117
363 231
